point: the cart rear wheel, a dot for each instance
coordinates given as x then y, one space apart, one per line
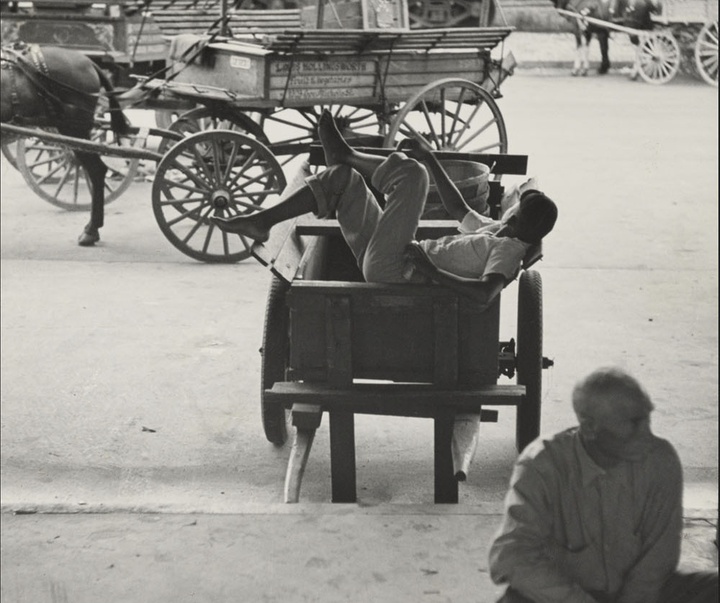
706 53
51 171
659 57
291 131
213 173
529 357
202 119
452 115
275 352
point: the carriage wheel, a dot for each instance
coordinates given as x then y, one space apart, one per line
529 359
291 131
51 171
9 151
659 57
706 53
213 173
202 118
452 115
275 350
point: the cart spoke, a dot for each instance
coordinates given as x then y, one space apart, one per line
191 175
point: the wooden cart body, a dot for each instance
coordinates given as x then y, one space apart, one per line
354 67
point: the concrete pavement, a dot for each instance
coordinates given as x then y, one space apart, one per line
273 553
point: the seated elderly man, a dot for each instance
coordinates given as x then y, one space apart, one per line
594 513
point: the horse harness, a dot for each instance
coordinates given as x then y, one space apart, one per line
28 60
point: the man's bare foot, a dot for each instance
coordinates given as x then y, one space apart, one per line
337 151
246 226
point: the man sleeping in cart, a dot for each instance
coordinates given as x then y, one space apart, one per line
486 252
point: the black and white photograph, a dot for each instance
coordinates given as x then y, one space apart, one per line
384 301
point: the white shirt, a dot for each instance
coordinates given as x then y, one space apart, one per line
476 251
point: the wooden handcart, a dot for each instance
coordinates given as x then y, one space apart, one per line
337 345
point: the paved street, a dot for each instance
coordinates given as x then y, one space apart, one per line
130 373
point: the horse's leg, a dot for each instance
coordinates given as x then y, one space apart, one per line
96 170
585 52
603 36
578 43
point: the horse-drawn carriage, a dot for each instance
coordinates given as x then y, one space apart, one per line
669 35
267 90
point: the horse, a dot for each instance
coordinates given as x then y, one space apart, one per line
52 87
583 32
636 14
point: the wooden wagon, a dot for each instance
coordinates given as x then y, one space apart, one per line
381 84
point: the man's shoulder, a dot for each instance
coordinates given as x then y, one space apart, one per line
551 451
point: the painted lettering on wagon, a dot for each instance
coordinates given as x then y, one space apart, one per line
307 67
316 94
322 80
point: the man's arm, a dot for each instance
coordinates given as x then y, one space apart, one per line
661 533
520 554
451 197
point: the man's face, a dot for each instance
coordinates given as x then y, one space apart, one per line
621 435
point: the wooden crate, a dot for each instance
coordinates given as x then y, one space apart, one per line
357 14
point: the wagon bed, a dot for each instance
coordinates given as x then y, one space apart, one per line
301 67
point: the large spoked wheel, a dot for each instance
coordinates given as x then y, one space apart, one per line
291 131
53 173
213 173
529 359
9 151
452 115
659 57
706 53
275 350
201 119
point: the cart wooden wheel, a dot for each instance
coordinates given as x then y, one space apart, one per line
529 359
659 57
291 131
213 173
275 350
51 171
706 53
452 115
9 151
203 118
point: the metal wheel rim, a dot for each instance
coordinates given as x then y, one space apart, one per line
529 354
659 58
201 118
51 171
461 103
275 351
706 53
213 173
